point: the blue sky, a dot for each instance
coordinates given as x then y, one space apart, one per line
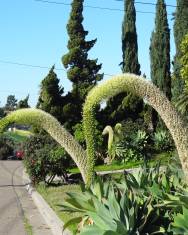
35 33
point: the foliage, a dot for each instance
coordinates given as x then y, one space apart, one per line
182 101
125 146
180 30
180 225
129 40
2 113
160 55
44 159
6 147
23 103
162 141
143 202
160 50
135 146
50 99
184 59
79 136
126 102
11 103
83 72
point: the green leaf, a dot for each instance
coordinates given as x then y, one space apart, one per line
101 222
71 222
92 230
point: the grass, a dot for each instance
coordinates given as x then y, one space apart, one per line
18 135
28 227
55 195
163 157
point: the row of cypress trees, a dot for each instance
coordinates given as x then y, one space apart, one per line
84 72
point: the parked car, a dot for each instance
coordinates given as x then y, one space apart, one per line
19 154
12 157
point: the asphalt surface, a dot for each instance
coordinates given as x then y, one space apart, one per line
15 203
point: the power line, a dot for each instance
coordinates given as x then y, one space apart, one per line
93 7
29 65
149 3
37 66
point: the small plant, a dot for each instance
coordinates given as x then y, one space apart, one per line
162 141
180 225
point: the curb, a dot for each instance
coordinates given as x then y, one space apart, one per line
46 211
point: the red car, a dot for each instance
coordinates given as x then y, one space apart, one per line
19 155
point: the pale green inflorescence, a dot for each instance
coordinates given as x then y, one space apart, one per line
47 122
108 130
154 97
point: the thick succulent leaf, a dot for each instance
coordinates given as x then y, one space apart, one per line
91 230
113 205
72 222
101 222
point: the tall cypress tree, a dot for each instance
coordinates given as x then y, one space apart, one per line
50 98
127 105
160 50
180 30
160 54
130 62
82 72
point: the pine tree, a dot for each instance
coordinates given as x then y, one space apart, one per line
127 105
23 103
11 103
50 99
180 30
82 72
160 54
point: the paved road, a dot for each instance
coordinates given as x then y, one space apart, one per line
15 203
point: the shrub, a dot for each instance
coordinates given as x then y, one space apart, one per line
162 141
44 159
6 147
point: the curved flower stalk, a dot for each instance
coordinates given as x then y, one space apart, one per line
154 97
114 137
54 128
108 130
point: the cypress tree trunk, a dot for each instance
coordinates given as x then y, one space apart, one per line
160 54
180 30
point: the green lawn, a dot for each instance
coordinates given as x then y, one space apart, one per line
18 135
54 196
163 157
